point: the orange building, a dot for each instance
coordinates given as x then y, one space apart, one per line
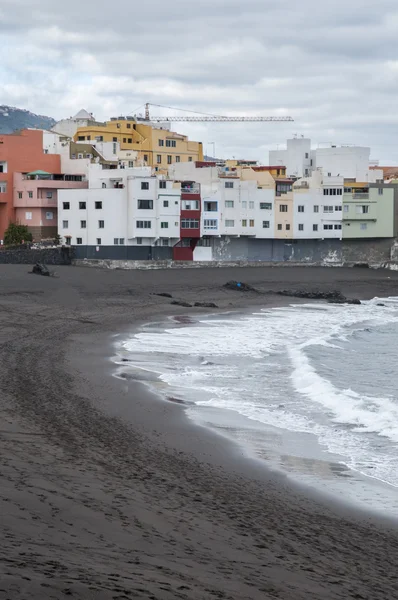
21 152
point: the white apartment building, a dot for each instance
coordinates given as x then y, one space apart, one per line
317 207
350 162
121 207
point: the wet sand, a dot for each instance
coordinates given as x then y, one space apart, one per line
109 493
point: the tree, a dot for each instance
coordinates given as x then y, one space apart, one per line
16 234
58 240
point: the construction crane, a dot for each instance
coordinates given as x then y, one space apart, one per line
206 117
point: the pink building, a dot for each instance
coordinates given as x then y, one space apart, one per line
35 199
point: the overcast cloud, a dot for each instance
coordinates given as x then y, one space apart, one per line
332 66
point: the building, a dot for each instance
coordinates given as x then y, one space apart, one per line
68 127
20 152
351 162
36 200
368 211
128 214
155 147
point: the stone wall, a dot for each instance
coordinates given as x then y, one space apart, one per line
30 256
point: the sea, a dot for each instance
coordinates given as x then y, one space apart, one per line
310 389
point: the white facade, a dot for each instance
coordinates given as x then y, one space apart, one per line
317 207
121 207
69 127
296 157
351 162
55 143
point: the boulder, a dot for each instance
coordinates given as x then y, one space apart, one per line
239 286
164 295
346 301
314 295
40 269
180 303
206 304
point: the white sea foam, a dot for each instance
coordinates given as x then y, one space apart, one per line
260 366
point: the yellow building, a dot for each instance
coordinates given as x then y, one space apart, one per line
155 147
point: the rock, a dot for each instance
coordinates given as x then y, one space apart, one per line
180 303
380 304
164 295
362 265
345 301
240 286
206 304
315 295
40 269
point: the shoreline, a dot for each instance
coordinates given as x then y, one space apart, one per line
110 493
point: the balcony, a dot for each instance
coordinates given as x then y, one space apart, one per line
360 196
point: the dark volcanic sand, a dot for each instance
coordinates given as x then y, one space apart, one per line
106 492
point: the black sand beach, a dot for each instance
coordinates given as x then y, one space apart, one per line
109 493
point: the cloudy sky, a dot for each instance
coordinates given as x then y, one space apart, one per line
332 66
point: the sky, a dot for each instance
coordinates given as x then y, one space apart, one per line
332 66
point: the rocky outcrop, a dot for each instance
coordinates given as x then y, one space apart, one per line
206 305
239 286
181 303
333 297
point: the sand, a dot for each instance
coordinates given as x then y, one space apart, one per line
109 493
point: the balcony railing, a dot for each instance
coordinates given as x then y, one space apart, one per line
190 189
360 195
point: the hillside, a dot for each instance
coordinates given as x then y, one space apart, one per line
12 118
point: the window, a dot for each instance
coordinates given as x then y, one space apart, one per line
145 185
145 204
161 142
146 157
164 225
144 225
229 204
229 184
338 226
362 210
244 223
162 185
128 125
380 191
114 139
265 205
28 216
168 143
283 208
49 215
229 223
315 227
251 223
328 209
79 241
165 242
65 224
118 241
346 208
169 159
30 194
265 224
338 208
104 185
287 227
66 205
301 208
98 241
363 226
327 227
177 159
301 227
80 138
316 208
20 195
159 159
189 223
210 223
139 241
68 240
131 164
130 141
82 205
165 203
124 140
49 194
3 167
101 224
306 155
244 203
83 224
279 227
189 158
98 205
80 156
